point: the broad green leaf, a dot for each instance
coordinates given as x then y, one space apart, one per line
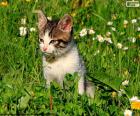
111 81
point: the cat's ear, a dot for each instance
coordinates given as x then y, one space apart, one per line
65 23
42 20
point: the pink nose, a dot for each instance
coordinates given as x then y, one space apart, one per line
45 49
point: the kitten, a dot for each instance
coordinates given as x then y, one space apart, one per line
60 53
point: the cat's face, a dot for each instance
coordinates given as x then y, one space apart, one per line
54 36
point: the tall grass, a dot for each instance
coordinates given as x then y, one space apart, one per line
22 86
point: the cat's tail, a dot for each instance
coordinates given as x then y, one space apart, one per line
87 87
90 88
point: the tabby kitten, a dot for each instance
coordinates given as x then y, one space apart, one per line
60 54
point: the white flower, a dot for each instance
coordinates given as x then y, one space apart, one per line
49 18
120 92
127 113
83 32
125 48
100 38
119 45
23 21
134 21
108 40
23 31
125 83
138 29
134 98
32 29
113 28
125 22
91 31
93 38
108 34
133 39
109 23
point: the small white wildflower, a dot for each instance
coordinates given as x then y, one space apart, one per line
109 23
32 29
93 38
138 100
125 83
49 18
133 40
125 48
113 28
134 98
100 38
138 29
119 45
120 92
108 40
125 22
23 31
108 34
91 31
134 21
127 113
23 21
83 32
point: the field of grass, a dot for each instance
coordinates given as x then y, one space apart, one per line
111 55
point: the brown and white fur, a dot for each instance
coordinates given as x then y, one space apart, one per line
60 53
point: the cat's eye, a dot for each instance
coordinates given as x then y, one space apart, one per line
41 40
53 42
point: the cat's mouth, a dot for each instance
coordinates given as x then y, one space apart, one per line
53 54
50 57
48 54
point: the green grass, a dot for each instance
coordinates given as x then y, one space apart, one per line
22 86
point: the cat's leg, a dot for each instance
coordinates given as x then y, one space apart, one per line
87 87
81 87
60 80
47 83
48 80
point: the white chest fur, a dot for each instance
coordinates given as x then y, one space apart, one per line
69 63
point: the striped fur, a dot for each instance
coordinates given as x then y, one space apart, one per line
60 53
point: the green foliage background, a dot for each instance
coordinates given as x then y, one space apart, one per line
22 86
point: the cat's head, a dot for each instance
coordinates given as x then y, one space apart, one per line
55 37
